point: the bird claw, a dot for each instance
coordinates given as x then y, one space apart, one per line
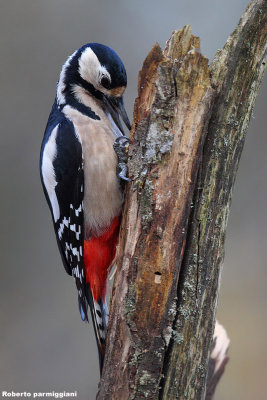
123 172
121 147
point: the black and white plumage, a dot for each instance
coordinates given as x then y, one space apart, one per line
63 183
78 168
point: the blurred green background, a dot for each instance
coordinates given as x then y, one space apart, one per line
43 343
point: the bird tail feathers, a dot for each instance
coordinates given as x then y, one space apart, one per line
99 315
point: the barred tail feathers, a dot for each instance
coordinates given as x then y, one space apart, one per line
99 318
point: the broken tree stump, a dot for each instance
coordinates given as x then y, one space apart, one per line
188 132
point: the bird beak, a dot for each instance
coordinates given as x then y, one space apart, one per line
115 108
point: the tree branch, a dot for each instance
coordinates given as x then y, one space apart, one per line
188 132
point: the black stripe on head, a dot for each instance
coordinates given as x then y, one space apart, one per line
72 77
112 62
85 110
107 58
102 63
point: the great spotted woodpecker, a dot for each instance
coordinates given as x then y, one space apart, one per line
79 174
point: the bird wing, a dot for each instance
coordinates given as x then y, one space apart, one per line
63 181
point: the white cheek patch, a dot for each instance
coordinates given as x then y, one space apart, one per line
48 172
90 68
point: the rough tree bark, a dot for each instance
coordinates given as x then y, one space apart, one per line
189 127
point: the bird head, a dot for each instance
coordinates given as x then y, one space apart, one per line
99 71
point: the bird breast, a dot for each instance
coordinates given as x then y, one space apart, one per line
102 194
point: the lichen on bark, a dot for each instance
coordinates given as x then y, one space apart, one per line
187 136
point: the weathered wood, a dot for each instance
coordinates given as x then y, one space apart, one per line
170 116
236 73
176 208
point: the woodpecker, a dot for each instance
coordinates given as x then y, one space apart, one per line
78 166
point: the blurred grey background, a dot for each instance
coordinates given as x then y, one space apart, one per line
43 343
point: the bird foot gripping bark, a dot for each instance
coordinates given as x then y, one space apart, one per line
121 147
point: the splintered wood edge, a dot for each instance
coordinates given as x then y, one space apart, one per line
118 340
180 43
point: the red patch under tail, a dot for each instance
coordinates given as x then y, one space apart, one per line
99 252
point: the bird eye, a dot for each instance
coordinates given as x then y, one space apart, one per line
105 82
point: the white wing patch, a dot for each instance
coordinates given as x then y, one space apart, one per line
76 229
48 172
65 222
77 211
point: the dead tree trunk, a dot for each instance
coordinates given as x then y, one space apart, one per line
189 127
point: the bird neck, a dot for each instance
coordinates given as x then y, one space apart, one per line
74 91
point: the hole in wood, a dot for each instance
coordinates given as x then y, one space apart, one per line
157 277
